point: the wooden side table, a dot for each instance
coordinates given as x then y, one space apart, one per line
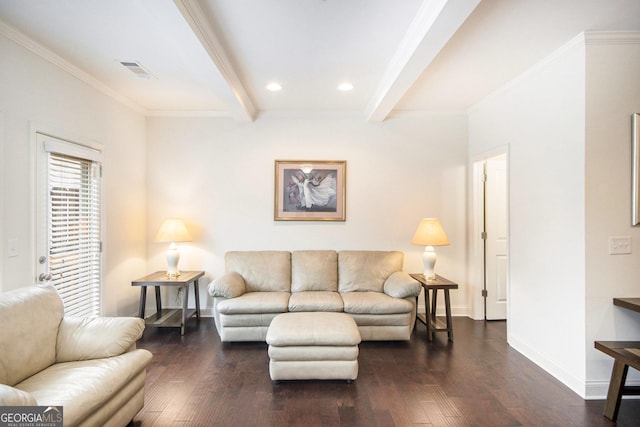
625 354
169 318
432 323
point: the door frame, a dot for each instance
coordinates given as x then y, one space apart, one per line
37 159
477 247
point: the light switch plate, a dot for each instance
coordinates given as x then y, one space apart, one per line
620 245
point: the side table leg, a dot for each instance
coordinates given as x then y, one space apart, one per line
158 301
447 307
427 315
616 386
143 301
185 303
434 305
196 293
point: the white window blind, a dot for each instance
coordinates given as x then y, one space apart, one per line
74 230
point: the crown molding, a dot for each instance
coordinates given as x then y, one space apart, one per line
611 37
587 38
576 42
23 40
188 113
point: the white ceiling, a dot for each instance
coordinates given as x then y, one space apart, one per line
216 56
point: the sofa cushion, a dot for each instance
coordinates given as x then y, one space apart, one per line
28 337
313 329
315 301
255 302
314 271
360 271
374 303
262 270
85 386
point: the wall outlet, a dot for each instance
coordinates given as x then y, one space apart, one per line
619 245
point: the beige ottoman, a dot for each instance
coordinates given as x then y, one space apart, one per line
313 345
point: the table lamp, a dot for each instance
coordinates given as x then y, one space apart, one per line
173 230
430 233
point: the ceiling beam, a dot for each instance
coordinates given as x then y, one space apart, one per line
233 94
435 23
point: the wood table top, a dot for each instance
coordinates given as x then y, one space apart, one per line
159 278
438 283
628 303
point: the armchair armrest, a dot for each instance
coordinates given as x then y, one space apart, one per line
229 285
95 338
10 396
401 285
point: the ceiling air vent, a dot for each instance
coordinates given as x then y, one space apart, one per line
137 69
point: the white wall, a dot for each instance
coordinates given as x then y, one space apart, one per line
568 126
613 94
38 95
540 116
219 176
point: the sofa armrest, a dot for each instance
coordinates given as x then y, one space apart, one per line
95 338
401 285
10 396
229 285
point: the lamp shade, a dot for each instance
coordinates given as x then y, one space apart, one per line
430 233
173 230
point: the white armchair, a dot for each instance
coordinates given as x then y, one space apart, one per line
90 367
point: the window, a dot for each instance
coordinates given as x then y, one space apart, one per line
73 225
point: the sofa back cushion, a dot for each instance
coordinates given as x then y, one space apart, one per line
261 270
314 271
361 271
30 317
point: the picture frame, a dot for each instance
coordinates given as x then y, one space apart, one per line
310 190
635 166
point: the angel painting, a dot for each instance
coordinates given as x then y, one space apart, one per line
311 191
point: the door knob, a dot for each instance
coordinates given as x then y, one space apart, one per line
44 277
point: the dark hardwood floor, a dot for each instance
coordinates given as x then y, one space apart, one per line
479 380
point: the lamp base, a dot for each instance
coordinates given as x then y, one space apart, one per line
173 256
429 260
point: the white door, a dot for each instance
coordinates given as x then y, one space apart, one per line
68 223
496 255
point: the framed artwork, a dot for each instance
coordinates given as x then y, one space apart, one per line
310 190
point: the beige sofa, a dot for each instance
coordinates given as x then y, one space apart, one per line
90 367
368 285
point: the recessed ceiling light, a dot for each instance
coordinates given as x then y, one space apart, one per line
345 87
274 87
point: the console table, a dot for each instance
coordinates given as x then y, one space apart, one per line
625 354
169 318
432 323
